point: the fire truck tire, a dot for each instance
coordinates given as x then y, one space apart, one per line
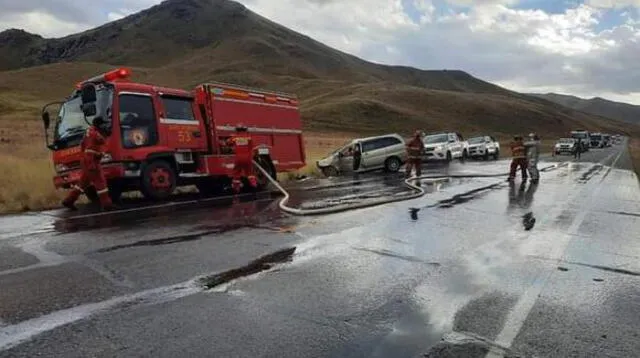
158 180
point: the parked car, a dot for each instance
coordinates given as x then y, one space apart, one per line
484 147
596 140
564 145
583 135
387 152
445 146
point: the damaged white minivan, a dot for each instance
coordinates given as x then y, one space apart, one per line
386 152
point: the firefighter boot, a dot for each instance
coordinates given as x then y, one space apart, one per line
105 200
70 201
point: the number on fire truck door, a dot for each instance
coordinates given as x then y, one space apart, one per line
184 137
184 130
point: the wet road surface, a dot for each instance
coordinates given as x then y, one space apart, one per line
481 269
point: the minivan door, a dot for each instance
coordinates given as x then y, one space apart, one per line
373 153
345 159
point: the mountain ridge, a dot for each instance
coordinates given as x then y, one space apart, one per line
184 42
621 111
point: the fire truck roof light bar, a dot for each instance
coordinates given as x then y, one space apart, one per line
114 75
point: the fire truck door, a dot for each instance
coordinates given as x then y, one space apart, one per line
183 129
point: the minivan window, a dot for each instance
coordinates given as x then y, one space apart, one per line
389 141
373 144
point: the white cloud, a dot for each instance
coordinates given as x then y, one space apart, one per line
119 14
41 23
613 3
523 49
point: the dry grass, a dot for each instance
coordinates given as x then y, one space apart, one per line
317 146
26 170
634 149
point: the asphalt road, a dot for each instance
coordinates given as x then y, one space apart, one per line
460 277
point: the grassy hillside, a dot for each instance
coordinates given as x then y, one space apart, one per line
598 106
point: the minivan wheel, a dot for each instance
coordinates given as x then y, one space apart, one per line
329 171
392 164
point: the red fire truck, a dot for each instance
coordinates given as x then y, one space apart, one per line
161 138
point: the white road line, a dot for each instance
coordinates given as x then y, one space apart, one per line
518 315
35 247
13 335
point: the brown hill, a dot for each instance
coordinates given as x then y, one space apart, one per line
599 106
184 42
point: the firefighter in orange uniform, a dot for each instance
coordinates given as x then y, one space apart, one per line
518 153
243 152
92 148
415 151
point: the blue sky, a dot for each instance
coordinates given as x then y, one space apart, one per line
586 48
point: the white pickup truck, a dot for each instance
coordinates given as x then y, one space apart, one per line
484 147
444 147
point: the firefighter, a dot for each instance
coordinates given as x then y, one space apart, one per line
533 153
519 159
243 166
92 148
577 148
415 151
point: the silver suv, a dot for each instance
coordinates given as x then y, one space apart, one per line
386 152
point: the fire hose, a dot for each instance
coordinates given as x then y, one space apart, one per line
409 183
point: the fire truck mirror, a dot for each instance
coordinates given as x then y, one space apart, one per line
89 109
88 94
46 120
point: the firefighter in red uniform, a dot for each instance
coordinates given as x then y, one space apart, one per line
92 148
518 153
243 152
415 151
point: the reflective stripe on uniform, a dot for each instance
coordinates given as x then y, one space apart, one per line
75 187
92 151
103 191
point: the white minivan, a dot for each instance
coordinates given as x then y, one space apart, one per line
387 152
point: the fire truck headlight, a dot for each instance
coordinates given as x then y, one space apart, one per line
106 158
60 168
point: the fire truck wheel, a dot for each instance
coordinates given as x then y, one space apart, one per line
158 180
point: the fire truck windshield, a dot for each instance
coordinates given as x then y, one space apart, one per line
71 122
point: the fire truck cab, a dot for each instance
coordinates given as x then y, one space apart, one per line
160 138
